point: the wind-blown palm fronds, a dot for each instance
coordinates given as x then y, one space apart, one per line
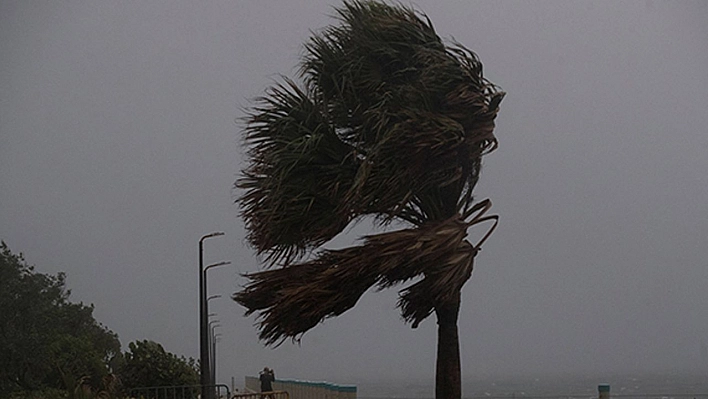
389 122
299 168
392 123
294 299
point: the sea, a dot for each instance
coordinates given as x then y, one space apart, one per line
654 386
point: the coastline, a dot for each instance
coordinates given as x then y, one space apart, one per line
628 384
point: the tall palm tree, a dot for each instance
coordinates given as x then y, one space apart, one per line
389 122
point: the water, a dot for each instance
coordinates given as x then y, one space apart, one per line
659 386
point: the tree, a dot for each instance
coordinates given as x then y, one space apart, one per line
390 122
44 338
147 364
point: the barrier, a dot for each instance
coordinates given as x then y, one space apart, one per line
178 392
262 395
306 389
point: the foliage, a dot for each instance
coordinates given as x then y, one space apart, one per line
76 389
147 364
310 291
80 389
390 122
43 336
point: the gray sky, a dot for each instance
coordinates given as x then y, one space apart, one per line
119 148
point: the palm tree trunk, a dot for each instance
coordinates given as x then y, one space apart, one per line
448 383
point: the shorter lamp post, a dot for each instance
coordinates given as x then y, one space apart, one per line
212 363
205 328
214 340
212 353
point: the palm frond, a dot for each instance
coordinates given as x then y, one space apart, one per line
440 285
388 79
299 168
292 300
391 122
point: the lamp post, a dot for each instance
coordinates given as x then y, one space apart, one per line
214 339
212 364
210 373
203 338
204 277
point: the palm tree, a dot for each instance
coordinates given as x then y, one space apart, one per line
389 122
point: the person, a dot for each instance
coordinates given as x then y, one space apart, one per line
267 377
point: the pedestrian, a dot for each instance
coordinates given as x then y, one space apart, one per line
267 378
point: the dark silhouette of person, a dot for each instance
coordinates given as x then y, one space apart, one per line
267 377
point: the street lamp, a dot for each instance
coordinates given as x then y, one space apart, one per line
215 265
212 371
206 309
215 338
203 331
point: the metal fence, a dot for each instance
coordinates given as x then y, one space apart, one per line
262 395
306 389
221 391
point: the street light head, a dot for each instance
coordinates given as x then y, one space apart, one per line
214 234
224 263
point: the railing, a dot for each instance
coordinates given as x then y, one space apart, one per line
306 389
221 391
262 395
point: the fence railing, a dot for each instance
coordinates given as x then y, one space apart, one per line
306 389
221 391
262 395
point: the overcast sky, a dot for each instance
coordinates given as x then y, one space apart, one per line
119 147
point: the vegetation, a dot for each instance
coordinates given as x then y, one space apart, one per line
147 364
43 337
52 348
390 122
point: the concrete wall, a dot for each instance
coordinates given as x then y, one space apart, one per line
306 389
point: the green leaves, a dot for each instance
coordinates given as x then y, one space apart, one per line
294 299
42 334
299 168
389 121
392 123
148 364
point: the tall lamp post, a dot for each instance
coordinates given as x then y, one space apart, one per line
203 328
